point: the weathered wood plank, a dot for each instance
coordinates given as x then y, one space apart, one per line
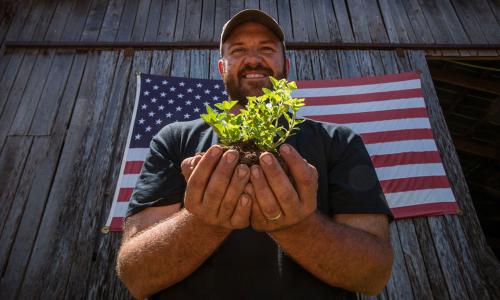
192 27
111 21
161 62
285 19
342 15
63 208
78 16
328 61
208 21
367 22
153 21
94 20
180 63
269 6
304 30
51 97
303 65
200 64
31 95
19 19
418 21
93 207
292 74
180 20
44 21
168 19
58 22
221 17
13 62
349 65
214 69
397 23
399 286
235 6
141 19
326 21
127 21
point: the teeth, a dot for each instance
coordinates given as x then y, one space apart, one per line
254 76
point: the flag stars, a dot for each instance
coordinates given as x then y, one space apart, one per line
151 113
148 129
207 91
224 93
197 97
158 122
164 82
141 121
163 94
170 101
199 85
146 93
205 103
172 88
188 102
178 108
181 83
186 116
153 100
144 106
215 98
148 80
190 90
196 109
155 87
180 96
161 107
168 115
216 86
137 137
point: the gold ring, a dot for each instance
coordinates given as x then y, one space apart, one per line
275 218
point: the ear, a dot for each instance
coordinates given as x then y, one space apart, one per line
287 67
220 66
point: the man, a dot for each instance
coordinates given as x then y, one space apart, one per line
204 226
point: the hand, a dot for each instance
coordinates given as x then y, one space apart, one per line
278 204
214 191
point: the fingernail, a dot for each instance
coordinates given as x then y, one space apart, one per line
244 200
230 156
285 148
266 158
215 151
255 171
242 171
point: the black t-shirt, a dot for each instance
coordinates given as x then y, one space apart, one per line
249 264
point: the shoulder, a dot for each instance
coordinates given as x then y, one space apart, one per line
335 133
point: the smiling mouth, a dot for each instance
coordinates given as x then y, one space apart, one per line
253 76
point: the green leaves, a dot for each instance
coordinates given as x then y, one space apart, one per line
259 121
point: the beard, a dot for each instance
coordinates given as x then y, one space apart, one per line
237 90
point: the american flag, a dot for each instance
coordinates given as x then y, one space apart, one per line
387 111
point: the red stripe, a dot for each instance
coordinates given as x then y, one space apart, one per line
357 81
397 135
116 224
373 116
414 183
125 194
133 167
428 209
360 98
405 158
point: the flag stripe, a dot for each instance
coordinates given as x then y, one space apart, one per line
405 158
427 209
138 154
414 183
359 89
407 171
125 193
357 81
351 108
419 197
396 135
360 98
401 146
372 116
133 167
389 125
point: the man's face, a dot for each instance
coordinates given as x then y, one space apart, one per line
251 54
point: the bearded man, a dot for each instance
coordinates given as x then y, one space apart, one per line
207 227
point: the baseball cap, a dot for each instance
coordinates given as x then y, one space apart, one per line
251 15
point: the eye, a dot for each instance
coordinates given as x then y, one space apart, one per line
237 51
267 50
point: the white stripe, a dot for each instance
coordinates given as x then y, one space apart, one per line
137 154
337 109
389 125
121 209
406 171
129 180
401 199
357 89
401 146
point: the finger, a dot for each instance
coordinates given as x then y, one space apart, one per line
219 180
249 190
238 182
188 165
264 195
280 184
201 174
306 178
241 216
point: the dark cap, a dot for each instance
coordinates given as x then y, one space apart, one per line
251 15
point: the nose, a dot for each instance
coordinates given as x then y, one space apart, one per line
253 58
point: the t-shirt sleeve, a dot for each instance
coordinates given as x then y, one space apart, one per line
161 181
353 183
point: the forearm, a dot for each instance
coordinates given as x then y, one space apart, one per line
166 253
338 254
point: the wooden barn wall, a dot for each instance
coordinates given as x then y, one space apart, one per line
64 117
